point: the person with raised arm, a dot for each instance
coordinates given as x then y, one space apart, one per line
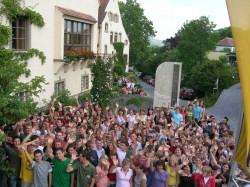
86 172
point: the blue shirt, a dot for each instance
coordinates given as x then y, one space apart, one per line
178 118
197 112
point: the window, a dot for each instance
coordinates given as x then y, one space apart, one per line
115 38
20 34
126 42
116 19
110 16
106 27
120 37
111 37
77 35
59 86
23 96
113 17
85 82
105 50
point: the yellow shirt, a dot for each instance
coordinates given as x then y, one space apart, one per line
26 172
172 176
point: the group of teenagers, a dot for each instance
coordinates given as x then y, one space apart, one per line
87 146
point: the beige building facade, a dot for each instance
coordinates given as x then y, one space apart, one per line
69 25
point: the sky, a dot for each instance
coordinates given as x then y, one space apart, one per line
168 16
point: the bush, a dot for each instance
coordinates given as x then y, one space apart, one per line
83 97
133 77
64 97
118 69
136 101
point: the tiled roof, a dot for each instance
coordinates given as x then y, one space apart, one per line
226 42
76 14
102 7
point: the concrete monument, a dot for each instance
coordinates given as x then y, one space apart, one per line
167 84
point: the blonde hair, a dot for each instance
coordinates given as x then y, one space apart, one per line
125 162
207 169
103 157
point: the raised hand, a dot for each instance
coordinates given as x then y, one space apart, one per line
71 139
73 157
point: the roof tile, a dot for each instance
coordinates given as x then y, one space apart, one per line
76 14
226 42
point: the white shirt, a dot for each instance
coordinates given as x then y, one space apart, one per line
121 156
99 152
122 180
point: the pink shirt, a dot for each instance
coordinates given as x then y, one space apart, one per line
103 180
122 180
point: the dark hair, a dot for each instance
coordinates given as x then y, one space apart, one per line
16 137
59 149
38 151
33 137
84 153
160 163
141 166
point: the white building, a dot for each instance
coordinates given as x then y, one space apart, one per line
111 29
226 43
69 25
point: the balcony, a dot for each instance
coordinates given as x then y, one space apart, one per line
72 58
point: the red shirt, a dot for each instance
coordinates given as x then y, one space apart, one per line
200 182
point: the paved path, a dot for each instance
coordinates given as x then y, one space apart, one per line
228 104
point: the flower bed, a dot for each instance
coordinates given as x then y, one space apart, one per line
74 55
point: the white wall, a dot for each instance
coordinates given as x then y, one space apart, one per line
113 7
221 48
49 39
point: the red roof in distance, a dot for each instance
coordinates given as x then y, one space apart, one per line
229 42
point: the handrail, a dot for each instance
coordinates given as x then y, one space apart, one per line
242 180
234 181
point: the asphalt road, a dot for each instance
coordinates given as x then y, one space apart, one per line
229 103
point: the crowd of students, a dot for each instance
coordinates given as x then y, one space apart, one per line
87 146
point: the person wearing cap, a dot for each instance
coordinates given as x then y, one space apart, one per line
86 172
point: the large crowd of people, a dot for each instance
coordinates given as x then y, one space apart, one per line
76 146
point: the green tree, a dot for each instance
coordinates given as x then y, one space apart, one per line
101 81
139 30
120 65
204 76
222 33
196 39
14 64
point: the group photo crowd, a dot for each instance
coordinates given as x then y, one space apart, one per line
87 146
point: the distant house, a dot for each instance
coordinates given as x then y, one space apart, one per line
111 29
226 43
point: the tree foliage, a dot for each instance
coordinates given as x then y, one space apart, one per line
204 76
222 33
139 30
120 64
13 65
171 42
196 39
101 81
